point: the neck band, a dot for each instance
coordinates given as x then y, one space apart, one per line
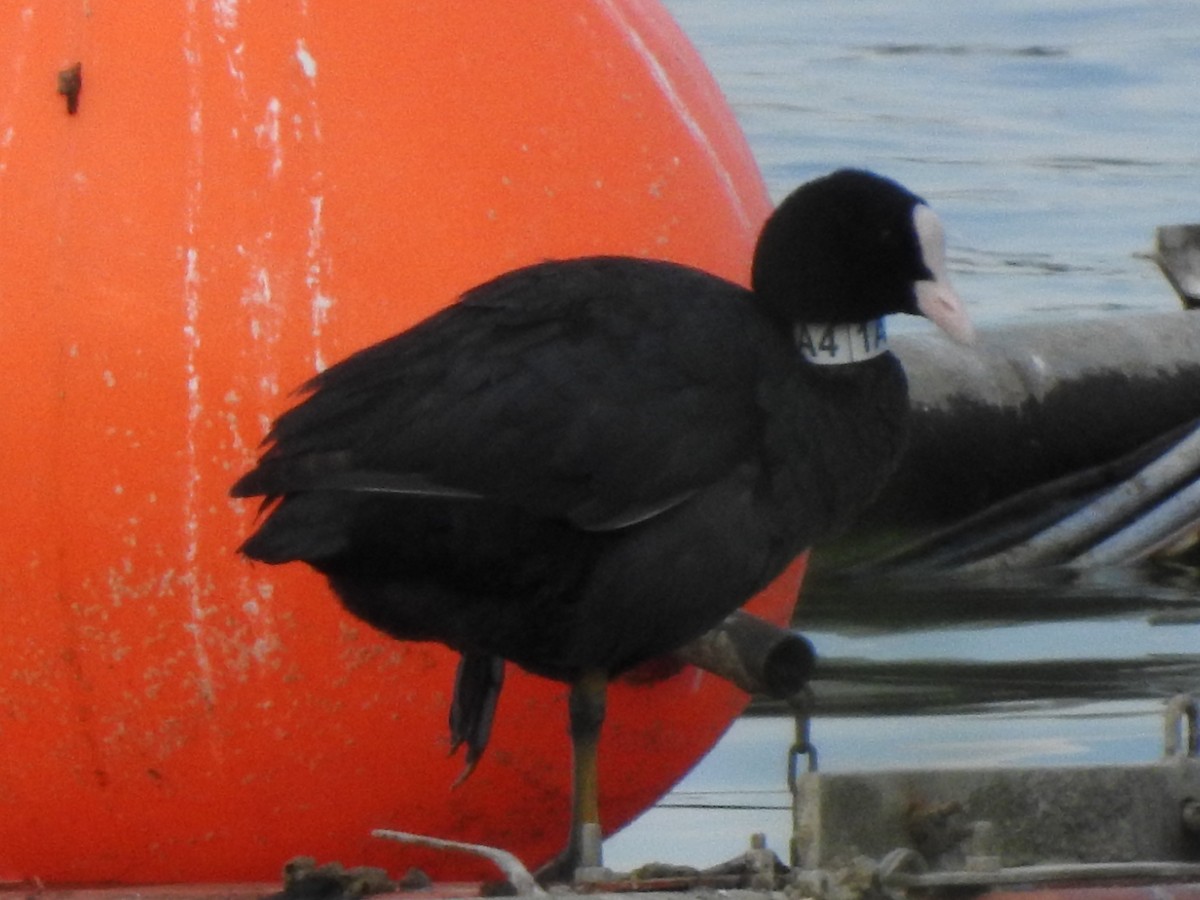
841 343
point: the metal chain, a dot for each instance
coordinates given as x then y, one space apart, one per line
801 704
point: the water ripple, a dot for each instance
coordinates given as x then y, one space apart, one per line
1036 50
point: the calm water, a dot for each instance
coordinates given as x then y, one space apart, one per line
1053 139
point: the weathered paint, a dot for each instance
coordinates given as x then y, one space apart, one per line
247 193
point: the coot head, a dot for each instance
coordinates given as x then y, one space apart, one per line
854 246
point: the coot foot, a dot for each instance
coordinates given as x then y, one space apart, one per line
579 862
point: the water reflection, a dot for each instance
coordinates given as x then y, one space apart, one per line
1036 50
1028 668
908 644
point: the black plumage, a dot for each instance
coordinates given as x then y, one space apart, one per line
583 464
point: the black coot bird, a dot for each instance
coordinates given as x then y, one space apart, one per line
584 464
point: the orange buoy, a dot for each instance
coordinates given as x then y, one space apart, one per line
238 196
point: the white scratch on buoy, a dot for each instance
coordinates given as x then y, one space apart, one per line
234 61
225 14
665 83
6 140
229 414
321 302
194 407
16 70
262 316
318 262
225 22
191 513
268 135
308 62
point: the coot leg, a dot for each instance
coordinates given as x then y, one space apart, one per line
586 706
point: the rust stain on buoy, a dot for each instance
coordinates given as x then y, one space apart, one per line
70 83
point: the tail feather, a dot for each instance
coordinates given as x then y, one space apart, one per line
310 527
278 475
477 685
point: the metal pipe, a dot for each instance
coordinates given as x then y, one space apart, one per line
1160 528
755 655
1028 405
1043 874
1060 542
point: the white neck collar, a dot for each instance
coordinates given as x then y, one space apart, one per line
841 343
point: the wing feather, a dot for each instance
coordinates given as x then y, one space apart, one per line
579 389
